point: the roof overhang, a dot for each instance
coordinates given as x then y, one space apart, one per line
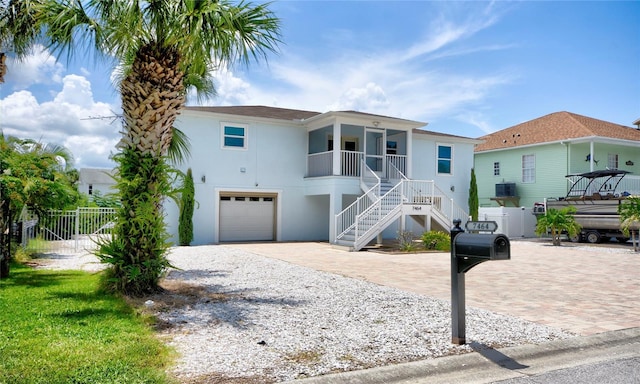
580 140
364 119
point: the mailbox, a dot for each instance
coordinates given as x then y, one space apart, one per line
482 246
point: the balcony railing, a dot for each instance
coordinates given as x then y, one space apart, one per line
321 163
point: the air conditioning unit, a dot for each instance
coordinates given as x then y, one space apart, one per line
506 190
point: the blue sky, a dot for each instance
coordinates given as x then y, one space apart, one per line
465 68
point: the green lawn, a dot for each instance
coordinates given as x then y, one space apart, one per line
57 327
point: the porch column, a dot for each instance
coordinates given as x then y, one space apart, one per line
335 207
591 156
337 146
409 169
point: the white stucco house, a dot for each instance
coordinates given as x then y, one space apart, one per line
274 174
96 180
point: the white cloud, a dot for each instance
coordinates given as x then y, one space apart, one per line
63 120
38 68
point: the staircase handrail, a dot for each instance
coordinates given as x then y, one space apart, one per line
456 211
394 171
372 176
361 204
396 190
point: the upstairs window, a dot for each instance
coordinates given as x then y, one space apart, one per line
612 161
496 169
528 168
234 136
445 158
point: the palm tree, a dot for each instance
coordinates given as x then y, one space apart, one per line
19 29
164 47
558 221
629 212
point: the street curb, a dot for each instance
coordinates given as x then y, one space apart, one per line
490 365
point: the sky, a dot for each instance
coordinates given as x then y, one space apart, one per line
465 68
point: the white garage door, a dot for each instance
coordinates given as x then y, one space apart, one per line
247 218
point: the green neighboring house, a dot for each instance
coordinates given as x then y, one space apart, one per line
524 164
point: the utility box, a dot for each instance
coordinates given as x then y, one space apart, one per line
482 246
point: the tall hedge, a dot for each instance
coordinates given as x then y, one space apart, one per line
473 196
185 225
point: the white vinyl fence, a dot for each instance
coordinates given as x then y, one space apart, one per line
66 231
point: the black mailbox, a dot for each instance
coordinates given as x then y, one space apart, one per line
482 246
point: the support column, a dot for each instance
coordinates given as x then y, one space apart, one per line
591 156
337 146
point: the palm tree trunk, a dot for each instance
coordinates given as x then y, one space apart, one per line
152 97
3 66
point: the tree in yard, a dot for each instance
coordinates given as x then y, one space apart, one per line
558 221
34 175
187 202
629 212
473 197
19 29
164 47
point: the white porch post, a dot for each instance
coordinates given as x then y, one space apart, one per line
337 146
335 207
591 156
409 169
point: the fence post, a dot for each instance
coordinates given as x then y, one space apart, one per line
77 234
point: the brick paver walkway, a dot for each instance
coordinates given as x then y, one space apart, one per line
582 289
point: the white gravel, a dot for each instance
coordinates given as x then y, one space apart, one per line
279 321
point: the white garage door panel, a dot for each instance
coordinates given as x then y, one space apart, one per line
246 220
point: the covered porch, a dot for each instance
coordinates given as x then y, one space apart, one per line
338 145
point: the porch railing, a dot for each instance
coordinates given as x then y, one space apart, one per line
321 164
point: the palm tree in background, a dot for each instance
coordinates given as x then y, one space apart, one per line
19 29
163 48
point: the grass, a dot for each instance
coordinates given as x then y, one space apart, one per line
57 327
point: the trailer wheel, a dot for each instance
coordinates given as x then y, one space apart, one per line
593 237
575 239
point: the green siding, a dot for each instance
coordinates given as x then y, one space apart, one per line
553 163
550 166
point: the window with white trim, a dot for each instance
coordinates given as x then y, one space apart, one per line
445 159
496 168
234 136
528 168
612 162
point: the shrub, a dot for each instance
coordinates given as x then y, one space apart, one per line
405 241
437 240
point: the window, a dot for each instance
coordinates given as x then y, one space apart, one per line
234 136
445 156
91 189
612 161
392 147
528 168
496 169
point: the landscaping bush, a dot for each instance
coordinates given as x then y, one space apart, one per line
436 240
405 241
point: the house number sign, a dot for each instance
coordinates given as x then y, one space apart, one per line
485 226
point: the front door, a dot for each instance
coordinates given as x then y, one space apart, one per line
374 143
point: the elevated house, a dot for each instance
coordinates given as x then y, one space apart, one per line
93 181
275 174
524 164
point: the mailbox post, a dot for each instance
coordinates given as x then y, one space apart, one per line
467 251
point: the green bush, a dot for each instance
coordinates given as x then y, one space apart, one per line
405 241
437 240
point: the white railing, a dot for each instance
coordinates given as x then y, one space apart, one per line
393 173
320 164
399 162
351 163
374 219
630 185
345 220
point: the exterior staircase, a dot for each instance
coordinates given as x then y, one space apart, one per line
382 204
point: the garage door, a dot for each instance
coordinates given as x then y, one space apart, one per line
247 218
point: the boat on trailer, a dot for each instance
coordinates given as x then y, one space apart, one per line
596 196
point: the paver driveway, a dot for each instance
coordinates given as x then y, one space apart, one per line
579 288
